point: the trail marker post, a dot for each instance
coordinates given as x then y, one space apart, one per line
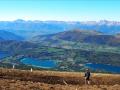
31 70
13 66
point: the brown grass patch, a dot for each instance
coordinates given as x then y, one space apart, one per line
52 80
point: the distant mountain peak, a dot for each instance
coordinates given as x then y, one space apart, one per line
19 20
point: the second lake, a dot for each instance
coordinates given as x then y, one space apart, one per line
103 67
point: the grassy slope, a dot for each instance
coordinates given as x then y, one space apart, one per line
57 77
52 80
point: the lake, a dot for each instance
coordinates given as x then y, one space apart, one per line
39 62
103 67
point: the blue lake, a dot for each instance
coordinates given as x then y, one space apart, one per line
39 63
103 67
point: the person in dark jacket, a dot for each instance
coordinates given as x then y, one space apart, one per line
87 76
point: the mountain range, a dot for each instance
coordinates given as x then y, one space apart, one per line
57 32
32 28
79 36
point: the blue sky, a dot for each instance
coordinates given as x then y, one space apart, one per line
60 10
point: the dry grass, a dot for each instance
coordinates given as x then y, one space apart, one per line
52 80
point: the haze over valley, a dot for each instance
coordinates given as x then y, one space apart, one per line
66 44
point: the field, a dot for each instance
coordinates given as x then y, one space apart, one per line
13 79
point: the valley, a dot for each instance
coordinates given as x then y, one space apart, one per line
67 59
69 49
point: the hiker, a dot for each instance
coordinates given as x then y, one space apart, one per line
87 76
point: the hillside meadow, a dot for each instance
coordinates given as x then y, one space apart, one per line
13 79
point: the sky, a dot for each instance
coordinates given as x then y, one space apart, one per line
60 10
